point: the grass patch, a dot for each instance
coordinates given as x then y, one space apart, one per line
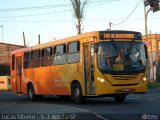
153 85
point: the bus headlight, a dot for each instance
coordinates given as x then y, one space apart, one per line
102 80
144 79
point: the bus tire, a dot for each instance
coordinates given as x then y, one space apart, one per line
119 98
31 94
77 96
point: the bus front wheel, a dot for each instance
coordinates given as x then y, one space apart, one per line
77 96
119 98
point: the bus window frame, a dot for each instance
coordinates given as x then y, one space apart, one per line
46 60
29 60
58 54
71 53
35 59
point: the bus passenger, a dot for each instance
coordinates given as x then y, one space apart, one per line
119 59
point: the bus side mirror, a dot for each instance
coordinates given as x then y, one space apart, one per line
95 47
146 51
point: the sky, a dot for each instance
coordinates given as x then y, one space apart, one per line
53 19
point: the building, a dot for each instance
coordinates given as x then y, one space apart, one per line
5 50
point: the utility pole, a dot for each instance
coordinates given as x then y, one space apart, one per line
145 20
156 44
39 41
151 57
146 34
110 25
157 59
2 32
24 40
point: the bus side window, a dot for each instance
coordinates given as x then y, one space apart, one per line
26 60
46 56
35 58
13 62
59 55
73 55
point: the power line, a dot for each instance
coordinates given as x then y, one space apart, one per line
95 3
33 8
36 14
39 7
128 15
87 20
46 6
40 21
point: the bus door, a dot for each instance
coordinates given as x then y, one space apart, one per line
88 53
18 74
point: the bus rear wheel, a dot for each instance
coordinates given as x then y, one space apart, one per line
31 94
77 96
119 98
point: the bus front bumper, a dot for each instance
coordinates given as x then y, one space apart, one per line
108 89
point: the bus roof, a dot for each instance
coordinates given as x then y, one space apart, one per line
70 39
56 42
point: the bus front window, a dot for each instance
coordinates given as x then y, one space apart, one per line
126 57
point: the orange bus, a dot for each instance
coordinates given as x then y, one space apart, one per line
108 63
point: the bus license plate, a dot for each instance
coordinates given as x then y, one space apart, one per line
125 90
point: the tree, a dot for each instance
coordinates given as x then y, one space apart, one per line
78 10
154 4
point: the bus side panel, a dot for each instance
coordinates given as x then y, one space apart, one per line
44 80
77 74
34 79
62 76
25 80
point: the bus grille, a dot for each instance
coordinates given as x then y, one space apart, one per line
125 77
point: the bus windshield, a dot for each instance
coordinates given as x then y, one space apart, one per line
121 57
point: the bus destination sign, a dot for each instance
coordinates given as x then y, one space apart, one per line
120 35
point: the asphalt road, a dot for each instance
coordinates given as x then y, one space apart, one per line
136 107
